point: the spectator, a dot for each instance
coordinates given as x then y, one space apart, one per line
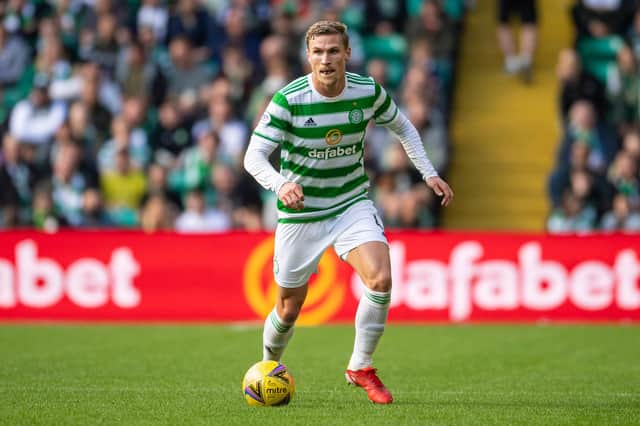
631 143
157 184
191 21
595 193
86 161
69 183
17 180
572 216
153 96
195 164
283 28
134 115
237 32
239 71
623 175
597 19
89 95
625 100
277 76
585 182
584 127
172 135
601 27
67 17
154 15
156 215
51 60
43 215
14 57
229 192
402 199
124 138
186 76
92 212
523 61
21 18
135 73
232 132
576 84
123 188
621 217
198 218
102 49
384 17
36 119
634 35
434 26
101 96
84 131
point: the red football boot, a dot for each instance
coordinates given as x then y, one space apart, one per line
367 379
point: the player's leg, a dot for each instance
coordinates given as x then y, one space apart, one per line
371 262
362 244
278 326
298 248
506 37
528 37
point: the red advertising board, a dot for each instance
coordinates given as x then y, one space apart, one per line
133 276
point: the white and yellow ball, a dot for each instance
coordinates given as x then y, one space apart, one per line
268 383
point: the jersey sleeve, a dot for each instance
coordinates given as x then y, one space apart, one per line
384 108
275 123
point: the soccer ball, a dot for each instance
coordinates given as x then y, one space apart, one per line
268 383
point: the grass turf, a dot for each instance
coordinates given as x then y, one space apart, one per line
159 374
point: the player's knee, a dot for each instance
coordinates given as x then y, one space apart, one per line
379 281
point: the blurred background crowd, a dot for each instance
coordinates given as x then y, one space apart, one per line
595 184
137 113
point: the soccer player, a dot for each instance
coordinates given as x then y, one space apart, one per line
319 121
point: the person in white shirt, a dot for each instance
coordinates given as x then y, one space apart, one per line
36 119
198 218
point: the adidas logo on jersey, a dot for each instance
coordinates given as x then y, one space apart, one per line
310 122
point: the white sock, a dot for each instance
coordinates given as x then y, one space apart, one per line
275 337
512 64
370 319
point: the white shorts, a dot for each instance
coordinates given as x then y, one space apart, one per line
299 246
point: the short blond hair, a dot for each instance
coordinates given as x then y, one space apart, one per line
328 27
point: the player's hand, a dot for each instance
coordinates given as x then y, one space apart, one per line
291 196
441 188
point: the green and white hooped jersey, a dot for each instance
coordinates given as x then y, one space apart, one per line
321 141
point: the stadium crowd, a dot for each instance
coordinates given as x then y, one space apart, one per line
137 113
596 182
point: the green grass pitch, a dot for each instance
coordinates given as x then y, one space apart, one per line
191 374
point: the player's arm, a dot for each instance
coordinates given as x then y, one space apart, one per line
265 139
387 113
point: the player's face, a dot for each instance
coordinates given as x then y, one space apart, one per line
328 58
